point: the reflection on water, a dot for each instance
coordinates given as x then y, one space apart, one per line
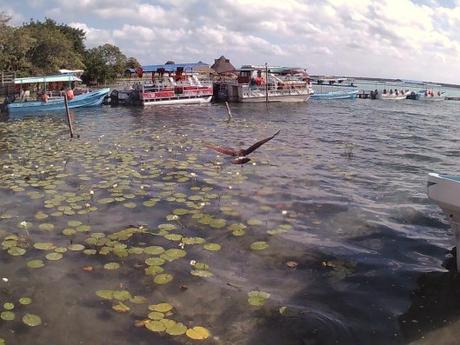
138 212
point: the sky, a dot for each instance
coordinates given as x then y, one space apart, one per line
407 39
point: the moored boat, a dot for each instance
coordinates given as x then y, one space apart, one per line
52 95
260 84
172 84
326 88
445 191
426 95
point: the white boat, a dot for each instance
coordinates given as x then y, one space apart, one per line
396 95
261 84
173 84
427 95
445 191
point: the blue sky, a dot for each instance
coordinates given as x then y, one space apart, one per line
407 39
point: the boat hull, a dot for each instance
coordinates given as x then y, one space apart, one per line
280 98
336 95
178 101
90 99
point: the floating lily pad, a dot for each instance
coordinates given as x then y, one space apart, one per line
76 247
257 298
217 223
173 254
7 315
173 237
121 307
129 204
259 245
201 273
177 328
197 333
54 256
46 227
154 250
154 261
44 246
214 247
112 266
163 278
161 307
69 232
8 306
122 295
155 315
254 221
106 294
32 320
155 326
16 251
25 300
35 263
74 223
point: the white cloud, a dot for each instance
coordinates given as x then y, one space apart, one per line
394 38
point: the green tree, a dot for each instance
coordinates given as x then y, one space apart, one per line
132 63
104 63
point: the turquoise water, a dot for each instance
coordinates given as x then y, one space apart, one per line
325 237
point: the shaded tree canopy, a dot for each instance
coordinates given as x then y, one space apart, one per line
44 47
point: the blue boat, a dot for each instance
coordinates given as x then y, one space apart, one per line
88 99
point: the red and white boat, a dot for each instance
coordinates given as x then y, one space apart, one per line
168 87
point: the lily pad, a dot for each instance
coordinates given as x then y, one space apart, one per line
161 307
201 273
173 254
54 256
254 221
154 250
155 315
106 294
44 246
177 329
122 295
121 307
76 247
46 227
112 266
214 247
163 278
197 333
257 298
154 261
7 315
259 245
8 306
25 300
16 251
32 320
35 263
155 326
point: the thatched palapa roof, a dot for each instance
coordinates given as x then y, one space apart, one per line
222 65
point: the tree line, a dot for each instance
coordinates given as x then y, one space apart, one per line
44 47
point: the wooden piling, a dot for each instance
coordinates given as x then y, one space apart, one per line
69 121
266 83
229 112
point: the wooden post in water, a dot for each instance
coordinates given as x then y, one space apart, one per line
69 121
229 112
266 83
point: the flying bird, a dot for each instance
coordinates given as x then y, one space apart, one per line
240 154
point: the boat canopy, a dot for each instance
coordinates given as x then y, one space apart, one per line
188 67
47 79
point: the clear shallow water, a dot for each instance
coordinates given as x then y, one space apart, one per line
349 176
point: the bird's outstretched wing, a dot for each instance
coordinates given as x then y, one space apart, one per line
224 150
258 144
